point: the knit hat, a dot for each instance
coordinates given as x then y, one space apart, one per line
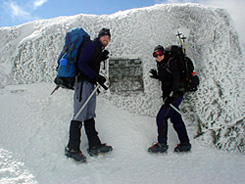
103 32
159 48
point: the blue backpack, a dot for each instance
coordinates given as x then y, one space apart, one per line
67 67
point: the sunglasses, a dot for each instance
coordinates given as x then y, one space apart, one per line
158 53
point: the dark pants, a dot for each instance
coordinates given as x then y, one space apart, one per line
75 134
163 115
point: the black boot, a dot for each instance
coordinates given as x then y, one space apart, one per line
102 148
77 155
73 148
183 147
95 146
158 148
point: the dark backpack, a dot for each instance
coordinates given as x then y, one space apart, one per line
188 78
67 67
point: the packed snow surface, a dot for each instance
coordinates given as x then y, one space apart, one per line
34 132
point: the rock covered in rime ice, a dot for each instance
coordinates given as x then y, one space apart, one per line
29 53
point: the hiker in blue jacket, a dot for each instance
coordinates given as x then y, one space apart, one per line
168 73
91 55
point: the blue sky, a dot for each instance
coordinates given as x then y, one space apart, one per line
15 12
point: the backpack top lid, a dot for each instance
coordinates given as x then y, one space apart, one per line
74 35
174 51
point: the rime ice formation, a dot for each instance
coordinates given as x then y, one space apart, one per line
29 53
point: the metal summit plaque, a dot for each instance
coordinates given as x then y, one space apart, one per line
126 76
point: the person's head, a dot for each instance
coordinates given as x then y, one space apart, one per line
104 36
159 53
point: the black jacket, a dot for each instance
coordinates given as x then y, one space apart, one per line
169 75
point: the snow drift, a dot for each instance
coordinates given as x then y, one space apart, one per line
34 131
29 53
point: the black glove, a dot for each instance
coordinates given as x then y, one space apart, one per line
154 74
100 79
105 54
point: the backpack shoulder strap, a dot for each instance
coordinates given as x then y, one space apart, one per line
79 49
167 66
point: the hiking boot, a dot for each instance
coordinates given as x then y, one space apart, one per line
183 147
158 148
103 148
77 155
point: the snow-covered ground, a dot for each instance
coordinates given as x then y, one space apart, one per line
34 131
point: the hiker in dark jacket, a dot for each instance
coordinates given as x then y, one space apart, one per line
91 55
168 73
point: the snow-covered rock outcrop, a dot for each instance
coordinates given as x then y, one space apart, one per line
29 53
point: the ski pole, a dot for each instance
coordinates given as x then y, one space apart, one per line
90 96
177 110
179 34
182 44
86 102
183 38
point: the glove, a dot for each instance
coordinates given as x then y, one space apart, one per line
170 99
154 74
100 79
105 54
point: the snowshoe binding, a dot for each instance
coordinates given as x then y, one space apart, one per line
158 148
183 147
77 155
101 149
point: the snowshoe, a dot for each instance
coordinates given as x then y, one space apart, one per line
183 147
158 148
77 155
103 148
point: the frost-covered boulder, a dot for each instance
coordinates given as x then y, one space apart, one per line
29 53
